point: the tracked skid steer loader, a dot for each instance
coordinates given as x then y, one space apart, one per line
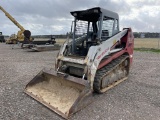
97 58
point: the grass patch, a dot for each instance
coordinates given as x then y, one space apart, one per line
146 42
147 50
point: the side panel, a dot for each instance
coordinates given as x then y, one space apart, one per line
129 40
103 50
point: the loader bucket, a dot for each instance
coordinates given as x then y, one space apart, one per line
63 94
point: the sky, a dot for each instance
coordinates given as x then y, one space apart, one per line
45 17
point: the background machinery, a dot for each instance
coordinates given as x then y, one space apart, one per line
24 36
97 58
2 37
15 38
12 39
42 45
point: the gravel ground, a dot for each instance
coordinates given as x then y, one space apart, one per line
138 98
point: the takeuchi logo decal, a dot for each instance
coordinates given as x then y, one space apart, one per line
102 53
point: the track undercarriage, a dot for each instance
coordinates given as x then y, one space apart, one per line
112 74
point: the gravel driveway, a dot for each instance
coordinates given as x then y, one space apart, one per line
138 98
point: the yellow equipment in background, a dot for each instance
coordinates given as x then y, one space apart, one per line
12 39
19 37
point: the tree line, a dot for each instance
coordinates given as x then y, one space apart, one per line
146 35
136 35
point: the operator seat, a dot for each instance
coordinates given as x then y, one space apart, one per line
93 41
105 35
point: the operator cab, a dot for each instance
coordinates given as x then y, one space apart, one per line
92 27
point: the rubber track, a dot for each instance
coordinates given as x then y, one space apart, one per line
106 70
